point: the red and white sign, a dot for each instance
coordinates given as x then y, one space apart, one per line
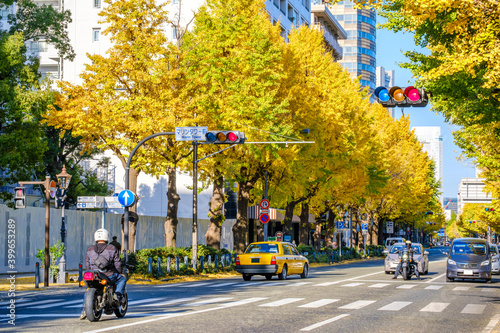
264 204
279 236
264 218
52 189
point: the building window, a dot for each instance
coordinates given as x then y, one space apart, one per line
97 3
96 33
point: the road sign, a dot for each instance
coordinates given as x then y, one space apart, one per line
90 202
126 198
53 189
264 204
390 227
87 205
279 236
264 218
190 133
271 239
364 228
340 225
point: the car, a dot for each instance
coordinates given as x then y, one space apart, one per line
468 258
393 240
420 256
495 256
270 259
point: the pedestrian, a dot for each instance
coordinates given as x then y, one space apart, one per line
116 244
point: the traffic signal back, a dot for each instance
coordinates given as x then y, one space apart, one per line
225 137
403 97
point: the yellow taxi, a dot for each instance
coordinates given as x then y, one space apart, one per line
271 258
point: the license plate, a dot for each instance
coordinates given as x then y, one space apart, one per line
405 264
255 260
468 272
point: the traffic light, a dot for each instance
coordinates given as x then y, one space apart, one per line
20 197
225 137
403 97
489 209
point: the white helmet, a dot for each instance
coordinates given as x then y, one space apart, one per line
101 235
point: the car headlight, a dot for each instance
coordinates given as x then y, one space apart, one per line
451 262
485 263
494 259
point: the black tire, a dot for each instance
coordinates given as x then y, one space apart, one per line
247 277
405 273
283 274
449 279
122 308
387 272
488 280
268 276
305 272
91 304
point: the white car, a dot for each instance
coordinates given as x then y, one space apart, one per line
495 256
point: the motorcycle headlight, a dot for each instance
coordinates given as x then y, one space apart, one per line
451 262
485 263
405 256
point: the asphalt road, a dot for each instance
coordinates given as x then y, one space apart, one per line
356 297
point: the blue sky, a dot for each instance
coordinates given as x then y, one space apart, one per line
390 48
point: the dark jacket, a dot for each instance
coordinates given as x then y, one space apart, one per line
117 245
109 252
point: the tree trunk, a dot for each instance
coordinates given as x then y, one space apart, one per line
304 224
216 212
287 222
240 227
379 231
330 227
173 198
317 235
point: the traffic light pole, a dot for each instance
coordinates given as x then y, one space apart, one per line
265 197
46 184
195 204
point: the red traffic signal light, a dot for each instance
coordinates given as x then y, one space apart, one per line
397 96
225 137
20 197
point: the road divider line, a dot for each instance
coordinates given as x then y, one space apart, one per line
437 277
354 278
328 321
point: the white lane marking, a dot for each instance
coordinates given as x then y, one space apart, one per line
491 325
461 288
298 284
474 308
354 278
437 277
282 302
41 302
16 301
356 305
352 284
273 284
193 285
406 286
174 301
140 301
244 301
209 301
331 320
433 287
435 307
317 304
79 301
395 306
379 285
224 284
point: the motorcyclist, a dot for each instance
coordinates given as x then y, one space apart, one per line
111 255
400 265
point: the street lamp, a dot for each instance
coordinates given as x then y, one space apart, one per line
63 179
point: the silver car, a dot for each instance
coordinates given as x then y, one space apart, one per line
420 256
469 258
495 256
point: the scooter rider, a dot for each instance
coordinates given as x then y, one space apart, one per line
105 257
398 269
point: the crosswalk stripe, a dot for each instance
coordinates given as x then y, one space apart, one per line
79 301
406 286
245 301
298 284
356 305
282 302
224 284
209 301
433 287
331 320
40 302
461 288
173 301
16 301
324 284
488 290
435 307
474 308
379 285
317 304
140 301
193 285
273 284
354 284
395 306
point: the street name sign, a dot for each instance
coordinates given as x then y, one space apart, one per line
364 228
190 133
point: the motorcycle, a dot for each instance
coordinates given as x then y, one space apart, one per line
408 266
99 296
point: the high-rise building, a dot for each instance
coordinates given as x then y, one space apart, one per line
386 79
430 137
360 46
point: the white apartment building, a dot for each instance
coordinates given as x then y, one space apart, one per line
85 33
430 137
470 190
